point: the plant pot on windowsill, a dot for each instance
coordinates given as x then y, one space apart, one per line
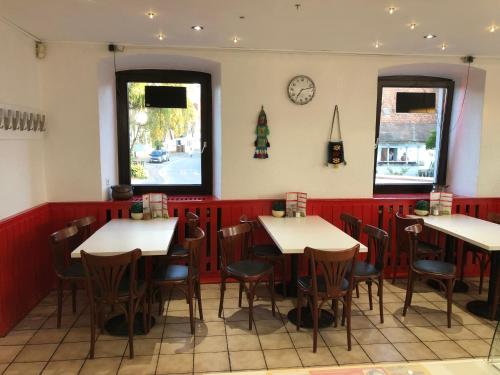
278 213
421 212
278 208
136 211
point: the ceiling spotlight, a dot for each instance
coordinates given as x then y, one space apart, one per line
444 46
377 44
151 14
430 36
197 27
236 39
391 10
492 28
412 25
160 36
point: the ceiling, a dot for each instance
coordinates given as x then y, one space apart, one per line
351 26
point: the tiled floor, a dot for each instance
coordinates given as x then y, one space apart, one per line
35 346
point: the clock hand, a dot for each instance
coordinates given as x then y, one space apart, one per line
300 92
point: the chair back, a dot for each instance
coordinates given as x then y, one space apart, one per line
332 266
254 225
193 222
230 239
378 243
62 243
84 226
412 232
106 274
352 225
402 222
494 217
193 245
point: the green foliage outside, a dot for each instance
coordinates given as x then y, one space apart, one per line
160 121
138 171
430 144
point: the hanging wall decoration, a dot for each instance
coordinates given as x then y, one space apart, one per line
262 131
336 148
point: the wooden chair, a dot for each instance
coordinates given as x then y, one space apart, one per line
496 300
372 269
424 250
442 272
327 281
112 280
352 226
479 254
178 250
62 243
184 277
267 252
244 270
84 226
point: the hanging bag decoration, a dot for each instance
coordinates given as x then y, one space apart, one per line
336 148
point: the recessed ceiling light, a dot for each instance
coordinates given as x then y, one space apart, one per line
430 36
412 26
151 14
392 10
197 27
444 46
160 36
492 28
377 44
235 39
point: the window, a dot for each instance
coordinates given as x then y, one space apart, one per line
164 131
413 120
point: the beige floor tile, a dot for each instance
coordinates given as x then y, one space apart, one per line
305 339
415 351
428 333
114 348
239 328
482 330
66 321
458 333
247 360
235 315
210 315
266 327
399 335
243 342
282 358
72 350
476 348
3 366
63 367
177 345
360 322
210 329
426 307
175 364
397 308
322 357
139 365
413 320
177 330
211 362
9 352
365 308
276 341
369 336
210 344
43 310
78 334
345 357
447 349
390 321
212 304
177 317
466 318
440 319
33 368
30 322
101 366
50 336
382 353
145 347
17 337
36 353
335 338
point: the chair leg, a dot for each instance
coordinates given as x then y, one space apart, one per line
190 293
59 302
335 306
348 317
283 276
198 296
357 290
381 298
449 298
271 291
342 322
250 296
462 266
73 296
92 330
396 259
222 290
160 301
145 315
370 298
241 287
315 324
482 268
299 307
409 292
131 318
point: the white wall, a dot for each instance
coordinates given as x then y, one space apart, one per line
298 136
22 173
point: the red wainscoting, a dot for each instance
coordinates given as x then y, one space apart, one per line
26 273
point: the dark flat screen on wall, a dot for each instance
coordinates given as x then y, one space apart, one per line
415 102
165 97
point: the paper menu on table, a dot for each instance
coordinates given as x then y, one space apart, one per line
442 200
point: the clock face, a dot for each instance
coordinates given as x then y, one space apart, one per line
301 90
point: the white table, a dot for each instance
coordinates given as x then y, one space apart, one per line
481 233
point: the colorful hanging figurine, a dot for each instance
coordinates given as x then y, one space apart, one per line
262 131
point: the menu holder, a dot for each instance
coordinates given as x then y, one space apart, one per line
443 201
296 204
154 205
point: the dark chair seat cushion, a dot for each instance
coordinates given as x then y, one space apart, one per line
435 266
365 269
425 248
266 251
305 282
74 270
171 272
249 268
178 251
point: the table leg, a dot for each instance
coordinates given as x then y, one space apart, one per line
483 308
291 287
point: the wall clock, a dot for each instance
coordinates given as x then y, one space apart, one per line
301 90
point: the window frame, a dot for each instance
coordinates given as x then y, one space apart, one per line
165 76
424 82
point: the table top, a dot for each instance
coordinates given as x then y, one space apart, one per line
118 236
293 234
482 233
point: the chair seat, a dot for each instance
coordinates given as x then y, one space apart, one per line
425 248
172 272
178 251
305 282
74 271
365 269
249 268
269 250
435 266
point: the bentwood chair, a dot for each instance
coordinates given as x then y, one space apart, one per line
352 226
84 226
442 272
478 254
267 252
112 280
371 270
62 243
178 250
424 250
184 277
327 281
245 271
